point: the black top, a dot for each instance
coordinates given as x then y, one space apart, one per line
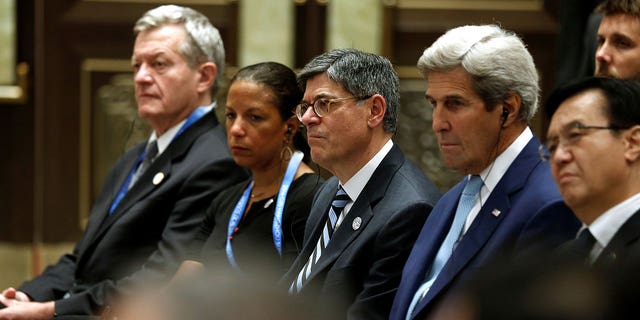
253 246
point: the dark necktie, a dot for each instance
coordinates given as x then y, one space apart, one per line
338 203
584 243
150 154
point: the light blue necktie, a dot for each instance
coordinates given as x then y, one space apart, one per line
467 199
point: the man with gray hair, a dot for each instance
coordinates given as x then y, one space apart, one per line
482 86
153 200
365 219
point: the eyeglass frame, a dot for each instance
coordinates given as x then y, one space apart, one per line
545 152
314 105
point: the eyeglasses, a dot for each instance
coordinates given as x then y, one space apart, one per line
321 106
569 136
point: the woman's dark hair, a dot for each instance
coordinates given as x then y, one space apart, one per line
281 80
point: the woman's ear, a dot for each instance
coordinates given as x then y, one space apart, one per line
292 125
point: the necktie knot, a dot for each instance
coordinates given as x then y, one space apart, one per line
473 186
340 199
151 152
585 241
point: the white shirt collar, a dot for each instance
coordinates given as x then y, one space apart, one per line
165 139
608 223
492 174
356 184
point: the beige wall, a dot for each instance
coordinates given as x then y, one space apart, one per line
18 260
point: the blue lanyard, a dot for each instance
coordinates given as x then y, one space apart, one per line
276 228
195 116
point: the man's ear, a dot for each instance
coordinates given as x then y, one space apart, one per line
510 109
378 110
207 73
632 144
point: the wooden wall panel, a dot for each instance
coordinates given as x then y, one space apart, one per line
17 144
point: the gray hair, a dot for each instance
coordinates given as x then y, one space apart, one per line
497 60
361 74
203 44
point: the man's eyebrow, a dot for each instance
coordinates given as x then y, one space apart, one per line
621 36
316 97
566 126
552 137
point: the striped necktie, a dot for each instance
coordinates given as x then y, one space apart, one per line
336 212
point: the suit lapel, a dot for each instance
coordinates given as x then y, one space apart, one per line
472 242
176 150
373 191
431 236
344 235
492 213
100 210
617 248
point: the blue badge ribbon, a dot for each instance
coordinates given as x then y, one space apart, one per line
195 116
276 227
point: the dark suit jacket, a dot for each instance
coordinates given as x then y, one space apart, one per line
146 236
531 214
623 247
358 273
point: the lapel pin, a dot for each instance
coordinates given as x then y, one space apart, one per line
158 178
357 222
495 212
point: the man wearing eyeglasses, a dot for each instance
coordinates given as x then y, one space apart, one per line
365 219
482 86
593 147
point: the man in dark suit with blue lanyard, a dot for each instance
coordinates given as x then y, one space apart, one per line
153 199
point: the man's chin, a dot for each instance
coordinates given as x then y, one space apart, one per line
604 75
146 112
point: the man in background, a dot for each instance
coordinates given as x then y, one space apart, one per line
618 53
153 199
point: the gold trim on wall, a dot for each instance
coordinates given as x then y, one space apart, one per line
178 2
507 5
17 94
13 78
